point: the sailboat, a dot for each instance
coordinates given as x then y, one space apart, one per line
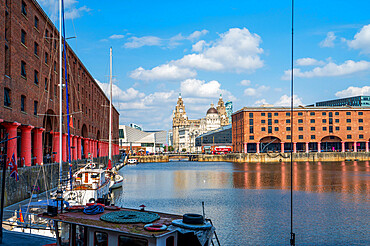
116 179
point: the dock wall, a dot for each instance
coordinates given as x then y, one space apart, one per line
42 177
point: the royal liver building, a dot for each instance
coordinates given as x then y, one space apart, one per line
185 131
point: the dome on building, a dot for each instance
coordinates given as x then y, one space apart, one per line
212 110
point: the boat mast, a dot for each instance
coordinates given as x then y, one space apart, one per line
110 108
60 99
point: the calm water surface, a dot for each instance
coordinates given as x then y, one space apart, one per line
250 203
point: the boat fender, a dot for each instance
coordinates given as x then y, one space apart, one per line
193 219
93 203
155 227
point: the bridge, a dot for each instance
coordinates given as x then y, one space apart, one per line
183 156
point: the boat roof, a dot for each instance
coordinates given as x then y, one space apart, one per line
128 228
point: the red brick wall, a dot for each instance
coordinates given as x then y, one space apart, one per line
85 94
241 134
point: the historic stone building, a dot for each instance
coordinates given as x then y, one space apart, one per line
185 131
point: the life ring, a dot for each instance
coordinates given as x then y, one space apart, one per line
76 208
92 200
155 227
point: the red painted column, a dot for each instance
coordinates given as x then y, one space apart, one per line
307 147
37 145
100 148
79 147
11 129
282 147
367 146
343 146
354 146
26 145
56 146
74 151
64 147
294 147
319 147
245 148
258 147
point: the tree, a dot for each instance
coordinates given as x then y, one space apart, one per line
183 150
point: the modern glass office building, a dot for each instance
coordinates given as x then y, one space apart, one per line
229 109
360 101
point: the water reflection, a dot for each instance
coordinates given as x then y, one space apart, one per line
249 203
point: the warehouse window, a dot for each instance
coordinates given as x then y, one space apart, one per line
46 57
36 79
23 37
36 49
36 22
35 104
7 94
24 8
23 102
23 69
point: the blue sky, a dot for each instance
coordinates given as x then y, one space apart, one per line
201 49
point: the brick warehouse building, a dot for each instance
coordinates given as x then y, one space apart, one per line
29 67
263 129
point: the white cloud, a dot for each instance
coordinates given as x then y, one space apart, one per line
285 101
70 9
200 89
354 91
256 91
260 102
245 82
329 40
198 47
118 94
197 34
74 13
330 70
163 72
361 40
117 36
308 62
236 50
136 42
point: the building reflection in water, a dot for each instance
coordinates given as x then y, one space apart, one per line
343 177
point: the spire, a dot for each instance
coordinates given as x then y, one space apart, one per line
180 95
220 95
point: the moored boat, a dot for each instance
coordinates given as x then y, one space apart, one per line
131 227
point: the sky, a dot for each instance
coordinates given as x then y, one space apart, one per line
201 49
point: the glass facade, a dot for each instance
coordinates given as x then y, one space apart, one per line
220 136
349 101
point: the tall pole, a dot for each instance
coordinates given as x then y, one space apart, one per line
110 107
60 100
292 234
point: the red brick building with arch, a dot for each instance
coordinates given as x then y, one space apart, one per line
29 91
315 129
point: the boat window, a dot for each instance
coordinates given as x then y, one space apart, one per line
64 234
94 176
123 241
170 241
100 239
80 235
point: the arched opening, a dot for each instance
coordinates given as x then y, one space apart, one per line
97 146
331 144
50 124
84 135
270 144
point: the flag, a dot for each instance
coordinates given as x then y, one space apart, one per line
71 121
13 168
20 215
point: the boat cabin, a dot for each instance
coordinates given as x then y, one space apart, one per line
127 227
89 178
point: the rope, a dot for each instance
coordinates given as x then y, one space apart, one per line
94 209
